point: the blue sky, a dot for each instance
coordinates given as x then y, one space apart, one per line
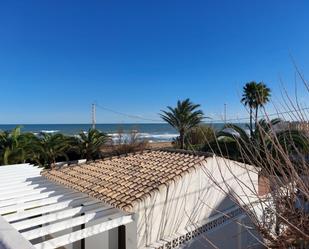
136 57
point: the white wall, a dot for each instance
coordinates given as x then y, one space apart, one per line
188 200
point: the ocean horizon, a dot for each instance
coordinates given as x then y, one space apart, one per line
153 132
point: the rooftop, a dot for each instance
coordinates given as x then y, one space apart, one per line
124 181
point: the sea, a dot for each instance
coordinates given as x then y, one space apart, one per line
153 132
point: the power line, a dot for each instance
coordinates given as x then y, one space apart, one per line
127 115
212 120
264 115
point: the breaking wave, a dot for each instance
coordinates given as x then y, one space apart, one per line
151 137
49 131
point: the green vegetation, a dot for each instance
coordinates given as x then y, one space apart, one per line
13 147
266 139
91 143
183 118
197 137
47 149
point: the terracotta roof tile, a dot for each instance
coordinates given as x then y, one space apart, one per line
125 181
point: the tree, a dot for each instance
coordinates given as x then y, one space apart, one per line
183 117
265 139
262 97
255 95
32 148
197 137
10 150
54 146
91 143
17 147
249 99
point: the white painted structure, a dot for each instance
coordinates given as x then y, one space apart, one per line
190 213
194 205
38 214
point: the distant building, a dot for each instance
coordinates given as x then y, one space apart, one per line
155 199
293 125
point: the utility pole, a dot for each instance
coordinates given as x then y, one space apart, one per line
225 113
93 115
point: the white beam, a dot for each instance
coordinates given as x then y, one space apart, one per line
84 233
62 214
21 184
38 203
23 187
10 238
18 172
62 225
27 192
13 176
12 182
17 179
72 202
12 166
32 197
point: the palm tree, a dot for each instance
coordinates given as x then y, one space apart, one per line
183 117
18 147
10 149
32 148
54 146
249 99
255 95
91 143
262 97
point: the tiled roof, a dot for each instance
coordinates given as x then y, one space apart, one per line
124 181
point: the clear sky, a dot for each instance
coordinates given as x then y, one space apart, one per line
136 57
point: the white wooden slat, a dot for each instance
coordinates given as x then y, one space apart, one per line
11 166
71 202
19 174
19 171
10 186
7 196
23 187
38 203
84 233
14 175
95 206
17 179
32 197
62 225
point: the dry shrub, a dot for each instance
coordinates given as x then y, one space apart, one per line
197 137
125 143
280 210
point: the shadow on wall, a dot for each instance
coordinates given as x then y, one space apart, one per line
184 204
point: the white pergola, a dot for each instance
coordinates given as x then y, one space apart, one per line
33 209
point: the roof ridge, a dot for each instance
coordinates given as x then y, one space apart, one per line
187 152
